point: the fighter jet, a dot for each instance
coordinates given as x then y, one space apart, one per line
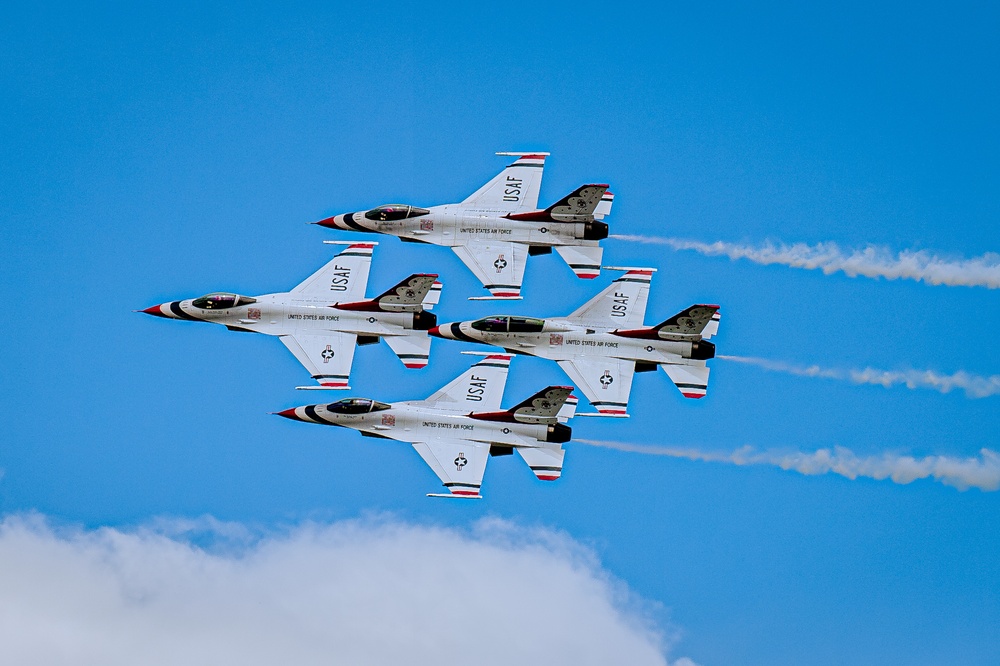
459 427
495 230
604 342
325 317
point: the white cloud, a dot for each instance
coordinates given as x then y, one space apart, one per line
975 386
871 261
356 592
982 472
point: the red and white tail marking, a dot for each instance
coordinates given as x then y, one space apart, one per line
604 207
530 160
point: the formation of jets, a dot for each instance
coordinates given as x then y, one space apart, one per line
600 345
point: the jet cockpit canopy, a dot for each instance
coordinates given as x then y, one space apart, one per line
221 301
393 212
356 406
505 324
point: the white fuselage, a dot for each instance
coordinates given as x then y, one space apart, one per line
562 340
412 422
284 314
455 224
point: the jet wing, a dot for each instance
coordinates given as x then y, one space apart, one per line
480 388
692 380
327 356
342 279
458 463
622 304
605 381
514 188
498 265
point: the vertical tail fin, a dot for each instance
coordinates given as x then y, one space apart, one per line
577 206
604 207
690 322
568 410
433 296
543 407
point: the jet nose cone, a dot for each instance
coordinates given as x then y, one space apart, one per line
339 222
446 331
289 414
156 311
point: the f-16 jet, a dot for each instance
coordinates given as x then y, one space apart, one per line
495 230
323 319
459 427
602 344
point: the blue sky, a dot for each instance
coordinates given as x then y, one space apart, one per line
149 154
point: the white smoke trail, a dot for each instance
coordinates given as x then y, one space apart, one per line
981 472
975 386
872 261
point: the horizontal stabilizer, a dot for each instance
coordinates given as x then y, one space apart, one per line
546 462
692 380
323 388
584 260
413 350
453 496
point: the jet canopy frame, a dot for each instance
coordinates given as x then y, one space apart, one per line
220 300
393 212
357 406
508 324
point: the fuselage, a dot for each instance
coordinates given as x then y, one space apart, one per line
563 340
412 421
455 224
284 314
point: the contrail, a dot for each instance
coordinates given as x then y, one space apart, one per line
872 261
975 386
981 472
